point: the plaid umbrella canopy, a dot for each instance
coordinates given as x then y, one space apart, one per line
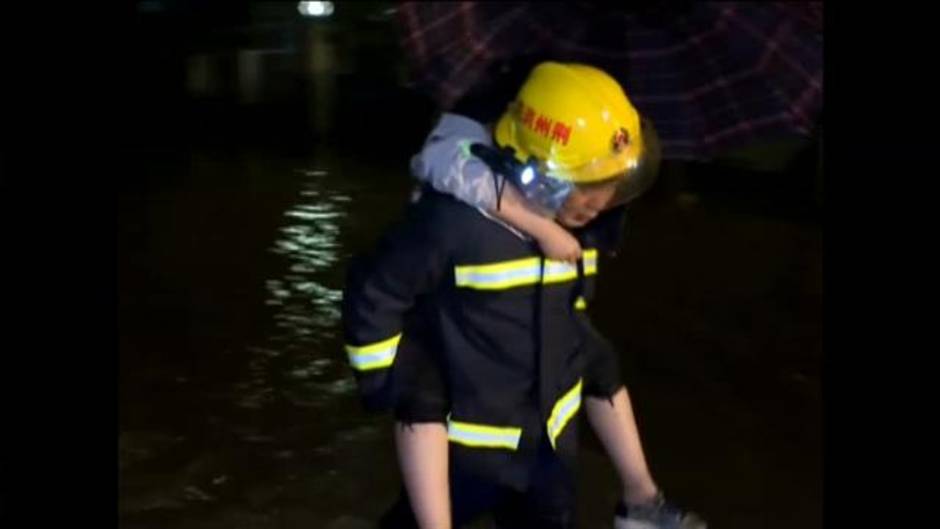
712 76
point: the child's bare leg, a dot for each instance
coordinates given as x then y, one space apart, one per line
422 457
615 426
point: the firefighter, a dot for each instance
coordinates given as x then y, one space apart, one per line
513 348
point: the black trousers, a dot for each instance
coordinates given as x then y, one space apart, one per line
547 503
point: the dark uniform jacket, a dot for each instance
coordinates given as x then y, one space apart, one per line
506 327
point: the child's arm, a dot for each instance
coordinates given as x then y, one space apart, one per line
556 242
446 163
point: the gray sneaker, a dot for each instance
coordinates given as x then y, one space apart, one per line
657 514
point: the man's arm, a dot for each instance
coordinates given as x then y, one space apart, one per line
393 370
381 291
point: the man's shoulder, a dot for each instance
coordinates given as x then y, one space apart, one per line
441 210
460 126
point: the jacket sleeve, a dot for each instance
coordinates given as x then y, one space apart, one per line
380 298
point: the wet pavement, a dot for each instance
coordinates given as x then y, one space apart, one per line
237 409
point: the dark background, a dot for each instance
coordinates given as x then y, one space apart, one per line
264 148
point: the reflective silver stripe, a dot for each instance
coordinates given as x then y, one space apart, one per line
565 408
498 276
376 355
558 272
521 272
483 435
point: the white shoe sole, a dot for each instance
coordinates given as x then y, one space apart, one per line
622 523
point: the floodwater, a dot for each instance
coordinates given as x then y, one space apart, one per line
237 409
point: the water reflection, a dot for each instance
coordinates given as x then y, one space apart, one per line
300 362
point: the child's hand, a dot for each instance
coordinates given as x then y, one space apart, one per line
560 245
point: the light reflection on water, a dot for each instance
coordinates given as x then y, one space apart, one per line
301 361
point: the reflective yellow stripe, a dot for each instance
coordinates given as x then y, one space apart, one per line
563 411
580 304
483 436
590 261
376 355
559 272
521 272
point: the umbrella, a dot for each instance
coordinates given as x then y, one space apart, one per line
711 76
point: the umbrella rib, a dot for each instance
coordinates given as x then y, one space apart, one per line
411 21
417 32
496 27
708 60
786 58
710 139
802 101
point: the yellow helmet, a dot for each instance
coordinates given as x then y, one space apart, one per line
576 121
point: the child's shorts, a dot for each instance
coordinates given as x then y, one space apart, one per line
420 391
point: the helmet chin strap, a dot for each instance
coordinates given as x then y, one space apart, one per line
499 181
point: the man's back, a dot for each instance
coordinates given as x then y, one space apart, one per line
506 320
